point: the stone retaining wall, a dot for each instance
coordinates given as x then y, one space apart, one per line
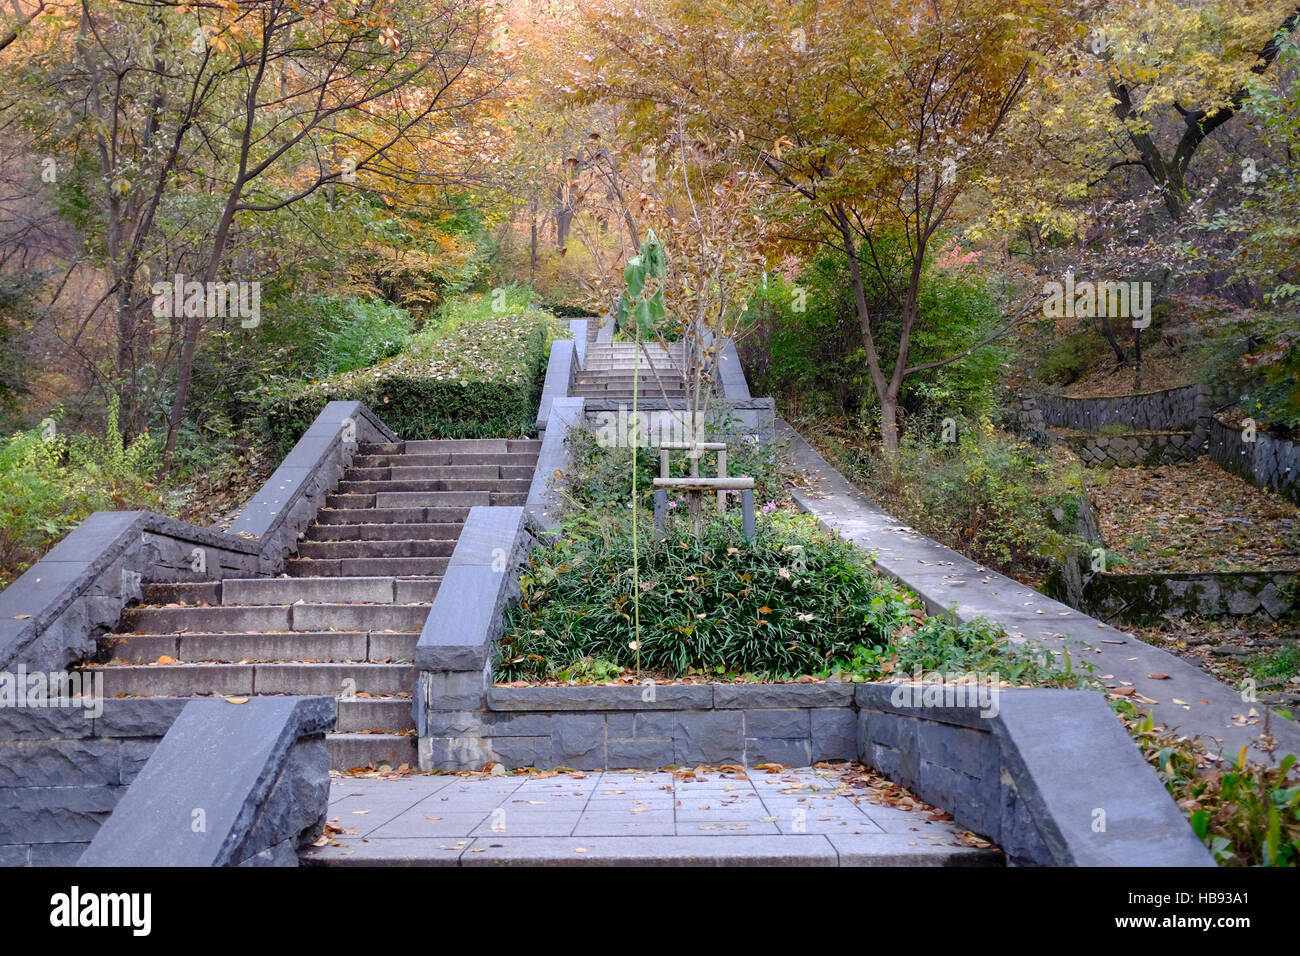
1173 409
62 773
647 726
230 784
1267 462
1138 449
1139 598
1016 776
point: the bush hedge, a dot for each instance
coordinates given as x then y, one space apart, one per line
478 379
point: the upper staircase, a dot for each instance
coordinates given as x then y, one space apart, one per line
609 367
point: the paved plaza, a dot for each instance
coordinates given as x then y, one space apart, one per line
800 817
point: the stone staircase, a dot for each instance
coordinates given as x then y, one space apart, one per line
609 367
345 619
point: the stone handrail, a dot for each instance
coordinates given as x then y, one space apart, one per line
228 785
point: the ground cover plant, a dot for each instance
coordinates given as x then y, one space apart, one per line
796 602
1246 812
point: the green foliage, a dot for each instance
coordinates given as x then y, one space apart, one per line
1283 663
50 485
359 334
1246 813
939 646
466 377
1071 358
804 344
1276 397
790 603
986 495
642 301
300 339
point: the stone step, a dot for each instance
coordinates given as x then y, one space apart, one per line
294 646
331 550
430 499
464 446
434 485
443 460
389 516
365 567
244 680
182 592
642 369
470 499
331 590
645 388
449 530
625 351
644 384
263 618
349 751
438 472
374 713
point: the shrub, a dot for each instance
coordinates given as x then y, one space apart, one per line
1074 357
360 334
300 338
49 486
1246 813
986 495
716 603
936 645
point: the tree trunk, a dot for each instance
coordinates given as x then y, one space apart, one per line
1109 333
889 422
532 242
193 324
888 404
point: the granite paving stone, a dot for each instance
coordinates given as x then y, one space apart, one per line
654 818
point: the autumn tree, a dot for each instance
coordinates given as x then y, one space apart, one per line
872 117
187 122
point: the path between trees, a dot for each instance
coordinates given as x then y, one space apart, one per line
1185 699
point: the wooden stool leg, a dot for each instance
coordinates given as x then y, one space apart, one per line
722 473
